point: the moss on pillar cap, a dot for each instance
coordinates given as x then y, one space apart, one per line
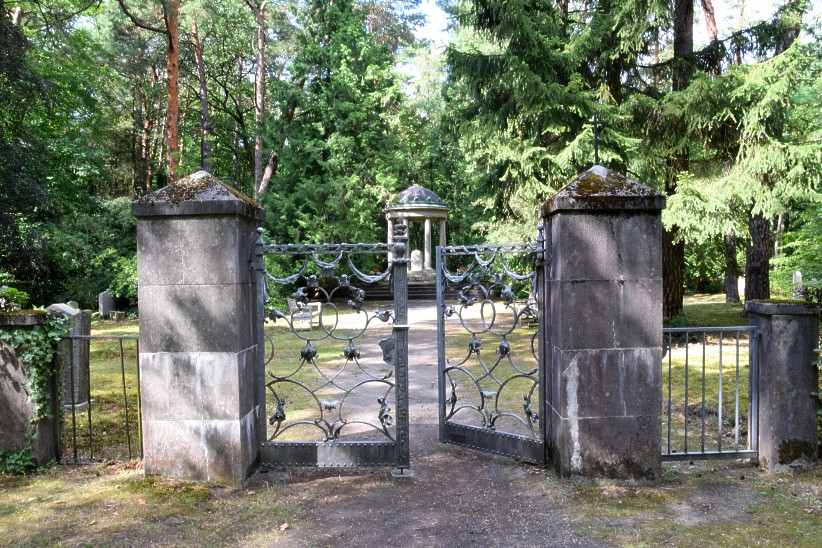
600 188
200 193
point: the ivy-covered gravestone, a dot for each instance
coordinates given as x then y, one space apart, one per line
29 398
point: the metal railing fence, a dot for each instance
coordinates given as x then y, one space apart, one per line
107 425
710 404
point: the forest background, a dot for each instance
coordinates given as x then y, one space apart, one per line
324 110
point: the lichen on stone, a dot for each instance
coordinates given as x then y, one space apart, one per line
201 185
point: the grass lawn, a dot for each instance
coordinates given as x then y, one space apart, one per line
710 310
720 503
114 505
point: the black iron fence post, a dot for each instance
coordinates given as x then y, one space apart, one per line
399 279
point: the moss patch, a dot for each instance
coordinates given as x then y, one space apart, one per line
705 504
116 506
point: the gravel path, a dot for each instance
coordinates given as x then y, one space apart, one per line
458 497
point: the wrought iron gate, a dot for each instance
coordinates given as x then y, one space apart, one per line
336 366
491 378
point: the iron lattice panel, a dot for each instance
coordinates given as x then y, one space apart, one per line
491 383
343 376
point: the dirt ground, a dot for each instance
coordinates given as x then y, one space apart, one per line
457 497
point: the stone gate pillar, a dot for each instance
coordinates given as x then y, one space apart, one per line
195 244
787 381
604 328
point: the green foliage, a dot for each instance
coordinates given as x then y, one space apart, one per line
339 163
801 250
705 267
35 348
12 299
124 277
17 463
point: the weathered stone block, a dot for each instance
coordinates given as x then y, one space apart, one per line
615 447
606 313
609 383
196 385
606 247
202 450
788 380
193 251
197 294
195 318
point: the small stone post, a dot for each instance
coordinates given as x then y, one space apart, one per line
198 361
604 332
74 354
787 381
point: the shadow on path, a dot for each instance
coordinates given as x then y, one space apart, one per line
457 497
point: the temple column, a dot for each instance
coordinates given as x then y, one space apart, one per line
442 233
427 245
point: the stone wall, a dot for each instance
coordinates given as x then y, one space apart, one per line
17 410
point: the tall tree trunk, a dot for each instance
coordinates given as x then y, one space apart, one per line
757 258
731 269
259 95
710 19
172 12
142 144
710 26
205 122
673 251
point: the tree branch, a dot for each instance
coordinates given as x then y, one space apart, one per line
139 22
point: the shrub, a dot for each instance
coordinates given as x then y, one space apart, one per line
12 299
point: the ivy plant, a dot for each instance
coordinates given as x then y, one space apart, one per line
35 348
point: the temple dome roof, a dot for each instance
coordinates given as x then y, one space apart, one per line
417 196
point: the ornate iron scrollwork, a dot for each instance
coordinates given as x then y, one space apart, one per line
330 282
494 301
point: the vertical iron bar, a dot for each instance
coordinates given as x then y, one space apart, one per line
73 405
753 390
259 277
399 274
139 400
542 313
685 411
88 409
125 396
721 397
670 387
702 410
736 401
441 341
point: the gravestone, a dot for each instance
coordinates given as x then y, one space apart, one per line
798 285
17 409
416 261
74 354
105 304
603 291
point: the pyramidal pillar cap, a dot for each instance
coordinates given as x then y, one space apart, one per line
602 189
200 193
